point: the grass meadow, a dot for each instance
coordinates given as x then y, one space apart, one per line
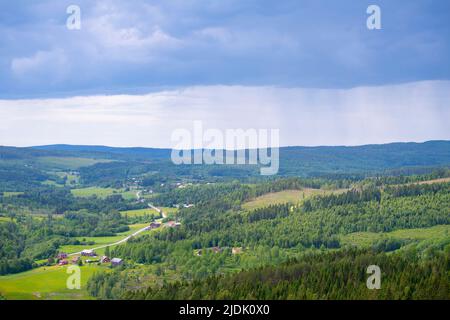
102 192
45 283
287 196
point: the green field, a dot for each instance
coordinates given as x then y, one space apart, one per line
47 283
5 219
365 239
168 210
287 196
50 282
11 194
68 163
148 211
102 192
441 180
99 241
140 212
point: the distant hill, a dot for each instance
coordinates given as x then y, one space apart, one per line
365 158
312 159
294 161
135 153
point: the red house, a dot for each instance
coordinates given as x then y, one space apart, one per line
62 255
63 262
154 225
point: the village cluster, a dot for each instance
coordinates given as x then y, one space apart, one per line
63 259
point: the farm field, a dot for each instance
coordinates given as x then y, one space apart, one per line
149 211
45 283
168 210
102 192
99 241
5 219
364 239
140 212
292 196
441 180
70 163
11 194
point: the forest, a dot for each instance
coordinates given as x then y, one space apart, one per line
309 234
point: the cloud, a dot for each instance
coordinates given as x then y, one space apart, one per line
52 64
416 111
124 46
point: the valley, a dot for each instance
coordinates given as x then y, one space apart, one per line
179 226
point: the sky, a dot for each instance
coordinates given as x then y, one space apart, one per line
137 70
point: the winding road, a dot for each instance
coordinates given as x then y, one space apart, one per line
138 196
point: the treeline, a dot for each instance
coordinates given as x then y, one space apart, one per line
12 244
268 213
235 192
352 196
417 189
111 174
107 286
331 276
17 177
15 265
60 200
372 193
293 228
405 178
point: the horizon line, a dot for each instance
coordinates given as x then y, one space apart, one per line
168 148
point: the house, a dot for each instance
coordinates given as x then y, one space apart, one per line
105 259
216 249
236 250
75 260
63 262
88 253
172 224
154 225
116 262
62 255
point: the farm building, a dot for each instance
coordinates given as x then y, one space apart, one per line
88 253
236 250
116 262
154 225
172 224
62 255
63 262
216 249
105 259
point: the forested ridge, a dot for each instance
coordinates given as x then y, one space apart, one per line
286 226
308 233
338 275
